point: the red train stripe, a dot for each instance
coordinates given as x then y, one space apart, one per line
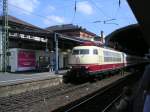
96 67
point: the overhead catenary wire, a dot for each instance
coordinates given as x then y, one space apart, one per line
34 14
31 13
74 15
118 9
43 17
100 10
75 10
119 3
108 18
106 21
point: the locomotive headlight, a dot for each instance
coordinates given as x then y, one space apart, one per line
86 67
70 67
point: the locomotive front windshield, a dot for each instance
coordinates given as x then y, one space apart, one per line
80 51
75 52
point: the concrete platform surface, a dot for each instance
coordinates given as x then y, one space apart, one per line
15 83
15 78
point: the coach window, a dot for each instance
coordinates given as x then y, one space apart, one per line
95 51
119 57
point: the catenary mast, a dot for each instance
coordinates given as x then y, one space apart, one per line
5 40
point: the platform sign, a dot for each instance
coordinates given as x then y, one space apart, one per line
26 59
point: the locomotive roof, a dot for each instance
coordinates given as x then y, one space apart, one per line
86 47
82 46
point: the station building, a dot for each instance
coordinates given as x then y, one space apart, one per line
72 31
32 47
75 31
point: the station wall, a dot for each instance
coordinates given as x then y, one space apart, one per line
25 59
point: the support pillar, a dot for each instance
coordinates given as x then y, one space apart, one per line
1 50
56 53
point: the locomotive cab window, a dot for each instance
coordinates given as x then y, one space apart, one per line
84 51
75 52
80 51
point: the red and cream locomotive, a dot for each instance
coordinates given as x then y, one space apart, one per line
90 61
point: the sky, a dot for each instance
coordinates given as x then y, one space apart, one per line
45 13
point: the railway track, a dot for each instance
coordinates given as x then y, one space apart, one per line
98 101
11 103
28 100
111 106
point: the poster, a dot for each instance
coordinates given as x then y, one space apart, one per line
26 58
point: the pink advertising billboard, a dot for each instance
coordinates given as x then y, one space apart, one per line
26 58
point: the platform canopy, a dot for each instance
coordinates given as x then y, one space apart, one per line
21 27
18 26
141 10
128 39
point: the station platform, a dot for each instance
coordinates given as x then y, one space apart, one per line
15 83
